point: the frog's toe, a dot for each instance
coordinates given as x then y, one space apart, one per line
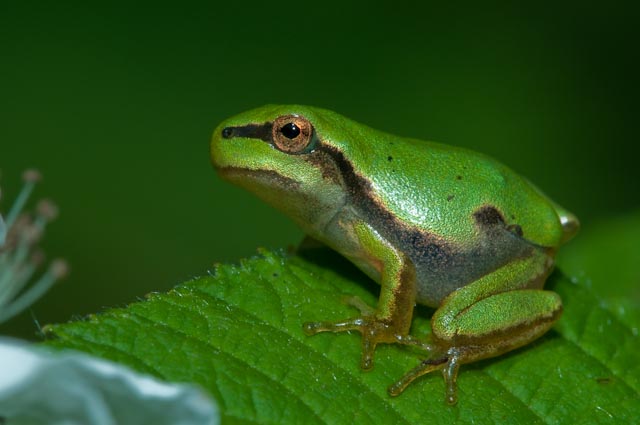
374 331
450 365
426 366
360 324
312 328
355 301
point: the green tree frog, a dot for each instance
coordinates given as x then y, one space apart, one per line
432 224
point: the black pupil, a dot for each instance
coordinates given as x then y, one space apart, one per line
290 131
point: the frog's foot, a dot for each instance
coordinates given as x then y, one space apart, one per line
404 339
449 363
374 331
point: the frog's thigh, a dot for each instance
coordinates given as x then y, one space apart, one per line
493 315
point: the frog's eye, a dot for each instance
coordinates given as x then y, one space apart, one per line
292 134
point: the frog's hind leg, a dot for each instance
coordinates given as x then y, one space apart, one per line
495 314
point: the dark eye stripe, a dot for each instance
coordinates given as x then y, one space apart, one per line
250 131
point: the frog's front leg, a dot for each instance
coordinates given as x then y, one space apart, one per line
497 313
391 320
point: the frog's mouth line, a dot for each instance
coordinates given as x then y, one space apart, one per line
269 178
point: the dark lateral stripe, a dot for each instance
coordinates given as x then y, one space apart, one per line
416 243
359 190
355 184
250 131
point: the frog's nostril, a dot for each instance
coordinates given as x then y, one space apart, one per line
227 132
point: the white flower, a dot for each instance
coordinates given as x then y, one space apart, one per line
20 256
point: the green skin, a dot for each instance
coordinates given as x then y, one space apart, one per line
432 224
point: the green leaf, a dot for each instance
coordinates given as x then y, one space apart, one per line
607 259
238 333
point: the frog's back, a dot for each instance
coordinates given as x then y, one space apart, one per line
449 191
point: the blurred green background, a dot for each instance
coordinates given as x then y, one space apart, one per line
115 103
